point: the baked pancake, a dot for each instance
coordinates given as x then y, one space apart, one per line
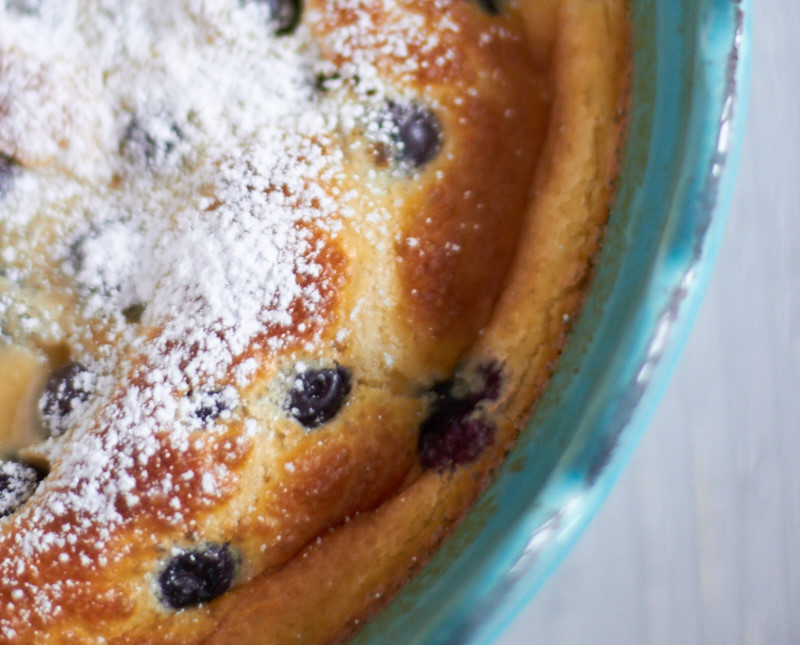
280 283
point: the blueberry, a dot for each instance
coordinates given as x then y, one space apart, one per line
491 378
197 576
454 433
77 252
86 246
17 483
65 390
492 7
453 441
318 395
151 140
208 406
284 15
416 131
81 250
133 313
7 172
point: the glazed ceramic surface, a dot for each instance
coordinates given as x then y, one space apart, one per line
690 85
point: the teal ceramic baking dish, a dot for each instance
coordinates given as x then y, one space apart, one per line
689 95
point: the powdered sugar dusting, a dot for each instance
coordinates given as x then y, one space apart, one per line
17 483
186 162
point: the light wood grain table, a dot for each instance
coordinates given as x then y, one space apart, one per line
699 542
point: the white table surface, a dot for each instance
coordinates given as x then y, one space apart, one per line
699 542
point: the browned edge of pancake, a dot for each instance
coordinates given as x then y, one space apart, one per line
347 575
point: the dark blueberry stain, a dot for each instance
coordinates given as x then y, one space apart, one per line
197 576
133 313
284 15
416 132
492 7
65 389
454 433
150 141
317 395
17 483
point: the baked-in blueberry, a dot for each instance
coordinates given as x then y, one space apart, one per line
196 576
85 247
491 377
453 441
317 395
17 483
65 390
492 7
7 171
150 140
77 252
284 15
416 132
82 250
455 433
208 406
133 313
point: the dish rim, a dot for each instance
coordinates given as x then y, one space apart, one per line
499 557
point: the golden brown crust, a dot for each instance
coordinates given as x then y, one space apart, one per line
357 567
491 247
